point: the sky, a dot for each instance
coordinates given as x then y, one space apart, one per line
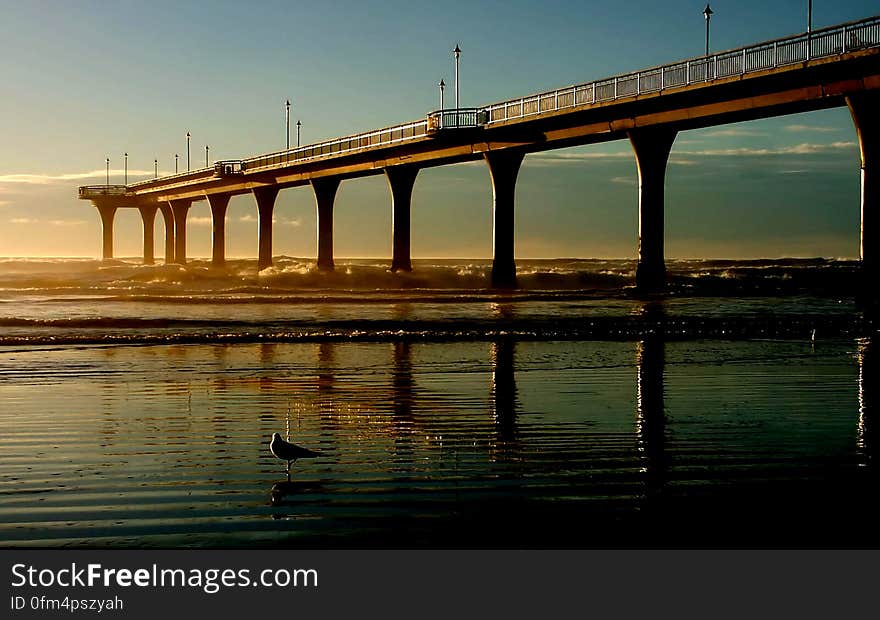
85 80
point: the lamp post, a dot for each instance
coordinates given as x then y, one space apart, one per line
457 53
175 163
108 171
707 13
287 105
126 168
810 17
298 127
155 168
442 88
207 148
188 136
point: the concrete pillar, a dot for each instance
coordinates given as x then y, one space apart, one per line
219 203
401 180
168 219
107 215
325 194
179 208
651 146
864 109
503 168
148 216
265 197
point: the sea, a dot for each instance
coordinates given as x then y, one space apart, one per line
137 402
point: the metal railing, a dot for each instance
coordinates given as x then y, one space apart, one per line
96 191
372 139
459 118
823 43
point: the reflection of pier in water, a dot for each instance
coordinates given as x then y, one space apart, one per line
650 411
868 385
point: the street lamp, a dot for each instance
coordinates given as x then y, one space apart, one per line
187 150
175 163
156 168
108 171
457 53
707 13
126 168
287 105
442 88
206 155
298 127
810 17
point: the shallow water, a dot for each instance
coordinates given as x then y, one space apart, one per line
422 444
136 405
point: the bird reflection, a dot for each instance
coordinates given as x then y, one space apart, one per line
285 492
650 414
868 381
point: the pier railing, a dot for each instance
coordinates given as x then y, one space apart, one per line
824 43
97 191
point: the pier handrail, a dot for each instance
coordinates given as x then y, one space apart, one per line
822 43
101 190
831 41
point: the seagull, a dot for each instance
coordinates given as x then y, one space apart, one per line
289 452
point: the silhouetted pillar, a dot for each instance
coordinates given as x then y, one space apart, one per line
148 215
651 146
107 216
864 109
650 409
179 208
401 180
265 207
503 168
325 194
219 203
168 218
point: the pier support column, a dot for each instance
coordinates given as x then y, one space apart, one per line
503 168
265 197
219 203
864 107
651 146
179 208
148 215
168 219
325 194
108 214
401 180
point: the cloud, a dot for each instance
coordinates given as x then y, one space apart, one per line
31 221
733 132
248 218
48 179
797 149
624 180
294 223
810 128
284 222
200 221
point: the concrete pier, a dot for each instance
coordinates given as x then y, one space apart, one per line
148 216
219 204
168 219
265 197
108 214
325 195
179 209
401 180
864 110
503 168
651 147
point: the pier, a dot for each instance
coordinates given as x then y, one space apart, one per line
832 67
